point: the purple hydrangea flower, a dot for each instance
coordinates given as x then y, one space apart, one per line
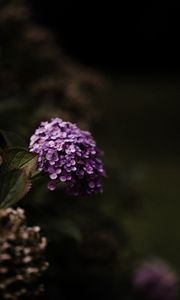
154 280
68 154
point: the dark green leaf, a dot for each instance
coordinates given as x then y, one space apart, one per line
17 158
13 186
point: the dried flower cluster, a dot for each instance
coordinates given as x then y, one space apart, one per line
156 281
68 154
21 256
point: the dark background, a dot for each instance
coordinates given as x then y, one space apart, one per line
115 36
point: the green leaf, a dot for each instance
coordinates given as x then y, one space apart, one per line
17 158
10 139
13 186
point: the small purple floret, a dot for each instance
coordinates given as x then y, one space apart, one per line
155 280
69 155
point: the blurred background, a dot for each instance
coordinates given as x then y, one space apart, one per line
113 69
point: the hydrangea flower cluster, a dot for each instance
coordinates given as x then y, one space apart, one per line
154 280
68 154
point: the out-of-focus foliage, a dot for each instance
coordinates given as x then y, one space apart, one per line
36 78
